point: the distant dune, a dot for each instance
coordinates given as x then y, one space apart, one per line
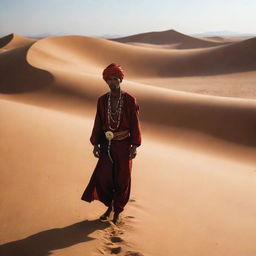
12 41
19 75
172 38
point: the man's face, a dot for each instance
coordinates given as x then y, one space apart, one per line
113 82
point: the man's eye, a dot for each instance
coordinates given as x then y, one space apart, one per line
113 78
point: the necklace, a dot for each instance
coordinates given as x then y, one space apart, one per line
117 111
117 104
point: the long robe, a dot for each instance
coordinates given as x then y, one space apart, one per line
112 181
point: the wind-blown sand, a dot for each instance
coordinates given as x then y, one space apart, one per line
193 180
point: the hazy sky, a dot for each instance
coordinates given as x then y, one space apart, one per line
119 17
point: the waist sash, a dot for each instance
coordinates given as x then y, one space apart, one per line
115 136
121 135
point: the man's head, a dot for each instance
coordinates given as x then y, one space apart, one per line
113 75
113 83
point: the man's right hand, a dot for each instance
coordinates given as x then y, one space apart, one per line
96 151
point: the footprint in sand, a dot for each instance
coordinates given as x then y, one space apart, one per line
113 242
116 239
115 249
132 253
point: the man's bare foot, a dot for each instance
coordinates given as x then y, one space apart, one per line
106 214
116 218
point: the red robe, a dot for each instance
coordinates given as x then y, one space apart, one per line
113 181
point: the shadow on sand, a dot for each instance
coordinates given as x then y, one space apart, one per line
42 243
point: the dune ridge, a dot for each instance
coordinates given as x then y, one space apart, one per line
170 37
19 75
13 40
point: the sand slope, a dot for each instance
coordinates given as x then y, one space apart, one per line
194 176
13 40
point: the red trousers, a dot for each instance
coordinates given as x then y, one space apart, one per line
111 181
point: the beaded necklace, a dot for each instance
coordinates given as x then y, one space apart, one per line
118 111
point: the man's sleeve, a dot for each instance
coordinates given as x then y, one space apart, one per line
135 125
96 131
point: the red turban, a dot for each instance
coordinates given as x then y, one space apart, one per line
113 70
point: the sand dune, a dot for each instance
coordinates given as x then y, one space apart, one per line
236 57
141 62
198 151
138 61
19 75
13 40
171 39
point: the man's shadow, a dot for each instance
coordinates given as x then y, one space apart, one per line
42 243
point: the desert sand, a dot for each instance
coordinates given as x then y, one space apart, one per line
193 180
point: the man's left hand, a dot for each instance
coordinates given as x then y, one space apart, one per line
133 152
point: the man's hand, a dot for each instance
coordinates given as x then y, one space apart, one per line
132 152
96 151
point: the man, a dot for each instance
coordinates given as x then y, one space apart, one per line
115 136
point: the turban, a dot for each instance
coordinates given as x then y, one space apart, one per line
113 70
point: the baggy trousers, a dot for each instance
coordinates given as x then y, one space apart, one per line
110 182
